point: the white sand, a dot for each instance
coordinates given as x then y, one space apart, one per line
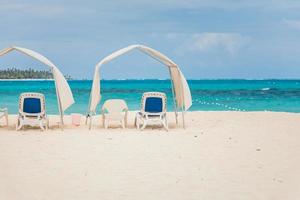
221 155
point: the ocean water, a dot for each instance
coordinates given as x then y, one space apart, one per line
212 95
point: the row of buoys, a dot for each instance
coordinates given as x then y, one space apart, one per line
219 104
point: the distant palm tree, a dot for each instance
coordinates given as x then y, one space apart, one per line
14 73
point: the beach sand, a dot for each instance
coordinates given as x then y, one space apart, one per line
219 156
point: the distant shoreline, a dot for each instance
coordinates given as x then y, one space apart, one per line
26 79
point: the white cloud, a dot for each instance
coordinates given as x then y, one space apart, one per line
195 4
31 8
43 9
58 7
230 42
139 7
209 42
292 23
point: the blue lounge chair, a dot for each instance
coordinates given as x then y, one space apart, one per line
32 111
153 110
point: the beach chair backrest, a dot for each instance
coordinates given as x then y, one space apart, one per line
114 106
32 103
154 102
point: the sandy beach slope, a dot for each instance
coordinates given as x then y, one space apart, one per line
220 156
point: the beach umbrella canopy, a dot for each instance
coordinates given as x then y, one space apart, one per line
63 92
180 85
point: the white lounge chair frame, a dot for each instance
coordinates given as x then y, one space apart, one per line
144 118
4 113
114 110
32 119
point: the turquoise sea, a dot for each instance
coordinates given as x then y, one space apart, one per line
213 95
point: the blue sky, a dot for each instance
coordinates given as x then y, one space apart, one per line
208 39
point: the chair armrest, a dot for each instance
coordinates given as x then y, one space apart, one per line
103 111
148 113
32 115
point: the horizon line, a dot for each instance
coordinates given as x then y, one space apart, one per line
167 79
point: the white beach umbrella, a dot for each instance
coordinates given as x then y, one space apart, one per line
63 92
181 91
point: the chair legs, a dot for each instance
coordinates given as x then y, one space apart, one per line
47 123
123 123
103 120
19 124
106 123
165 124
144 124
145 121
137 121
6 118
4 113
42 123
